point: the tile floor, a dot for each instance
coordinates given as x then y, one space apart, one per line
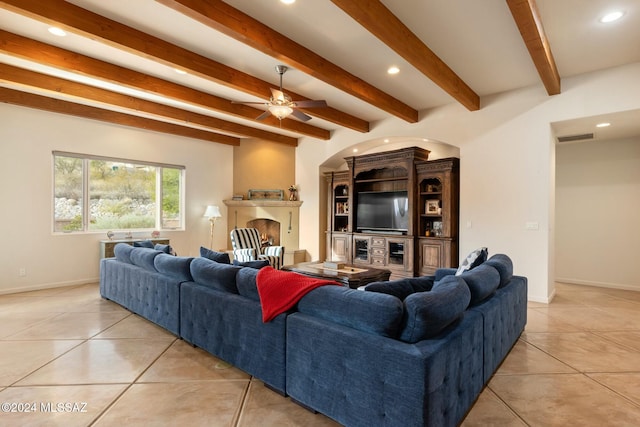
578 363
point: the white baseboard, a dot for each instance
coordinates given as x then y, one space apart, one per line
42 286
598 284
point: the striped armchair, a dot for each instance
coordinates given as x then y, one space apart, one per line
247 247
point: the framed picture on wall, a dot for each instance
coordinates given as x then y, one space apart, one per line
266 194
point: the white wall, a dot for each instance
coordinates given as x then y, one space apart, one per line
27 138
597 214
507 164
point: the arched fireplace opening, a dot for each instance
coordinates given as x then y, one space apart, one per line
269 230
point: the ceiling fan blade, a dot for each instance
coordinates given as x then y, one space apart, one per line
300 115
264 115
277 94
311 104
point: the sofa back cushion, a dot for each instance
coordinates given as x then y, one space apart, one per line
144 257
482 281
370 312
122 251
246 283
402 288
174 266
214 274
503 264
427 313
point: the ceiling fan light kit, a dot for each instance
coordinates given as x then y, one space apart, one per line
282 106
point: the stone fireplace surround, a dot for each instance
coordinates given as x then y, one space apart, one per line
277 220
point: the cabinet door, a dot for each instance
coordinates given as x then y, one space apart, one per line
430 256
437 253
361 250
340 247
400 256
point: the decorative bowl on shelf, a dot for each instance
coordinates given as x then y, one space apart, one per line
155 234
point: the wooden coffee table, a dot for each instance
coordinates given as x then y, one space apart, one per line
351 275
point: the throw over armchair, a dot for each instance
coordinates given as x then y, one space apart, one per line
247 246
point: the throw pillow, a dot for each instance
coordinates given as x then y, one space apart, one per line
473 260
252 264
221 257
143 244
167 249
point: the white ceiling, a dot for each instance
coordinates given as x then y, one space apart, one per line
477 39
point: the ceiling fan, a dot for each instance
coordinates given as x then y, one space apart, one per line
281 105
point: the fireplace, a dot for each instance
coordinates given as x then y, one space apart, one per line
269 230
277 221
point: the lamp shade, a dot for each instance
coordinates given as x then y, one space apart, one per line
212 212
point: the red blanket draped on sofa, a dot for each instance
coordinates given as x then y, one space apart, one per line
281 290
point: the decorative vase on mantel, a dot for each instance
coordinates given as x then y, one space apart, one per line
293 193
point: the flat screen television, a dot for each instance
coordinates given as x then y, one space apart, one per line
382 211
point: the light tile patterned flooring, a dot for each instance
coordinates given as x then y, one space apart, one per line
577 364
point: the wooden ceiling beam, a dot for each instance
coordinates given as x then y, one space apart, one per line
56 85
62 59
527 18
242 27
91 25
379 21
25 99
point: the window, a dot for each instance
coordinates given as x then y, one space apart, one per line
96 193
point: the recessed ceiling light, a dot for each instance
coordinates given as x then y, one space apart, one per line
355 150
288 1
393 70
57 31
179 71
603 125
386 140
612 16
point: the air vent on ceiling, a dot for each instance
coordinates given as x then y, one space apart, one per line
573 138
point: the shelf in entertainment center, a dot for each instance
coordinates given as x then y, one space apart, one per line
264 203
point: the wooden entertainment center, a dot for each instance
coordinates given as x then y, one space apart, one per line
395 210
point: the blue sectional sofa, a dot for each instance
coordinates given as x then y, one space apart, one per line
411 352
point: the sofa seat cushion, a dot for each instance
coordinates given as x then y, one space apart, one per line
370 312
427 313
221 257
144 257
122 251
281 290
503 264
214 274
482 281
402 288
173 266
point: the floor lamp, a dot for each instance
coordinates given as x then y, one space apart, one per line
212 212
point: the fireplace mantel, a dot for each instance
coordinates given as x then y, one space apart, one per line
263 203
